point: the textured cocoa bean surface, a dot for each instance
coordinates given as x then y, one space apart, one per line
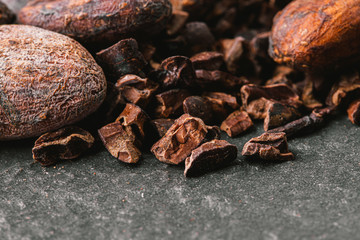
47 80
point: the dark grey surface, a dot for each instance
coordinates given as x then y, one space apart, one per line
314 197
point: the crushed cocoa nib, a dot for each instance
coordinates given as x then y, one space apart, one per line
209 156
120 141
219 80
344 90
176 71
136 90
198 107
278 92
162 125
236 123
307 123
186 134
198 37
268 146
308 95
135 117
278 114
213 133
354 112
122 58
207 60
229 100
177 22
66 143
170 103
236 55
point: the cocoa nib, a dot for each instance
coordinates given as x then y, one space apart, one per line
135 117
236 123
162 125
176 71
219 80
209 156
278 114
207 60
170 103
122 58
66 143
268 146
177 22
198 107
198 36
354 112
186 134
136 90
345 90
120 141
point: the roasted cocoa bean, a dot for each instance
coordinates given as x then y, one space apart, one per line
47 80
105 21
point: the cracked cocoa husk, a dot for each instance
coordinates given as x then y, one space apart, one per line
268 146
186 134
63 144
209 156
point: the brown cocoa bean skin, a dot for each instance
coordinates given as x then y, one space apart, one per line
97 21
316 34
47 80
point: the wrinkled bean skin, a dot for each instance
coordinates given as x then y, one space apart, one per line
102 21
47 80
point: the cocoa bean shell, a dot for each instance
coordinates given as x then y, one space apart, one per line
47 80
316 34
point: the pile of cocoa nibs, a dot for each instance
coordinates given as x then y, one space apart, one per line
179 72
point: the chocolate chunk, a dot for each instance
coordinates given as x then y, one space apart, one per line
186 134
236 123
209 156
268 146
66 143
120 141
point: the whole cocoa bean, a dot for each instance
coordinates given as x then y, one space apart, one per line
98 21
314 34
47 80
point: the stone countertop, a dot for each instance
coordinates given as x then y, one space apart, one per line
316 196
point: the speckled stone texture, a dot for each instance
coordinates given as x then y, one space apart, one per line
315 196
